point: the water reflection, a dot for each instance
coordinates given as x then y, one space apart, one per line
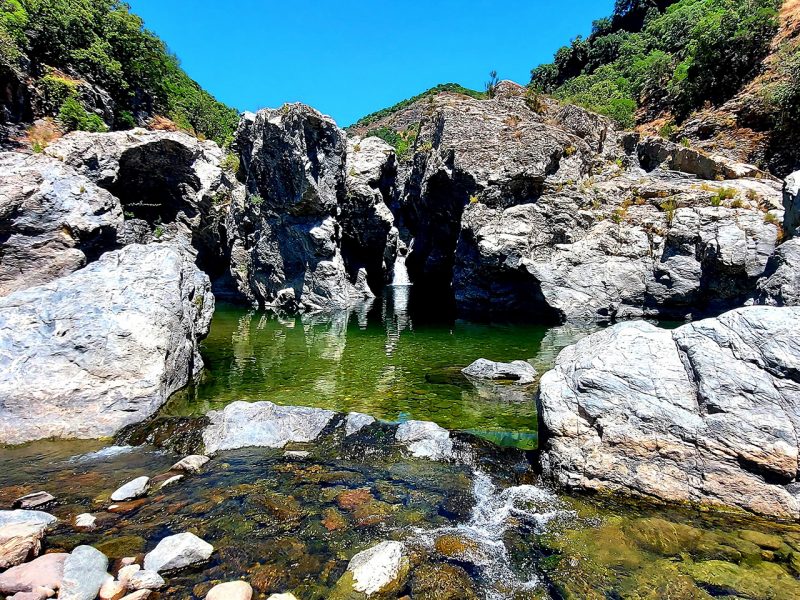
386 358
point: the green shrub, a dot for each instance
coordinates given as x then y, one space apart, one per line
73 116
667 130
56 89
722 195
231 162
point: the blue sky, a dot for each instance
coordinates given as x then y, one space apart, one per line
348 58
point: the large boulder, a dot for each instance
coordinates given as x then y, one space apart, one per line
103 347
285 240
176 552
84 573
706 413
46 571
170 184
52 220
21 533
263 424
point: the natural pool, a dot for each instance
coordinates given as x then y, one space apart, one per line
383 359
482 529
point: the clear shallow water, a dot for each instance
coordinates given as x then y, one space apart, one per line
383 360
292 525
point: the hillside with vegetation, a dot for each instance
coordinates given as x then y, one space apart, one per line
658 62
92 65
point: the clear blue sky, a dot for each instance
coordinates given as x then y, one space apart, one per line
349 58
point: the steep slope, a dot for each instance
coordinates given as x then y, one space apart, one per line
93 66
719 74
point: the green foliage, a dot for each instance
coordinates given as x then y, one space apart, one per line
74 116
231 162
667 130
445 87
109 46
722 195
491 85
56 89
402 141
668 55
256 199
783 102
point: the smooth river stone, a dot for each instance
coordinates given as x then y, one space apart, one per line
176 552
85 571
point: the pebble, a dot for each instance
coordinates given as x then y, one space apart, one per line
232 590
33 500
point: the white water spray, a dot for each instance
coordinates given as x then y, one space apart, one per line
400 277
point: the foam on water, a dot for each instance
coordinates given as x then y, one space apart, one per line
102 454
493 514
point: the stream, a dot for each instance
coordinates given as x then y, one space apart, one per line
477 529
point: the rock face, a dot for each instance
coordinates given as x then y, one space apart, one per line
263 424
519 371
103 347
369 237
170 184
791 203
284 235
780 285
177 551
704 413
52 220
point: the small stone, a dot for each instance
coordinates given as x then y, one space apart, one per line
170 481
40 593
46 571
282 597
126 572
178 551
232 590
112 589
34 500
85 521
84 573
190 464
145 580
132 490
298 454
377 568
356 422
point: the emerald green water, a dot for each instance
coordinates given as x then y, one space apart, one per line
383 360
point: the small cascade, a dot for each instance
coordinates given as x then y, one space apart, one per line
493 514
400 277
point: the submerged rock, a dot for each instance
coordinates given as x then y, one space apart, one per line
263 424
518 371
91 352
190 464
132 490
84 573
704 413
53 221
33 500
177 551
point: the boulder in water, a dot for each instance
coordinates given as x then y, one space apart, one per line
425 439
379 569
518 371
85 571
177 551
232 590
706 413
47 571
132 490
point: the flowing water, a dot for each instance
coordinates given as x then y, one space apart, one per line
482 528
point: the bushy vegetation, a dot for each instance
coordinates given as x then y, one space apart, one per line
102 42
444 87
670 56
402 141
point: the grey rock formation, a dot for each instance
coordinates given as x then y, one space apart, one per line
518 371
84 573
791 203
170 180
425 439
103 347
780 285
52 220
262 424
132 490
356 421
705 413
285 240
177 551
369 237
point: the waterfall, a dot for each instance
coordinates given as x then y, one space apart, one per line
400 272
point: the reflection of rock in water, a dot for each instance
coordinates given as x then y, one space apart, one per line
558 338
395 315
491 391
483 536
